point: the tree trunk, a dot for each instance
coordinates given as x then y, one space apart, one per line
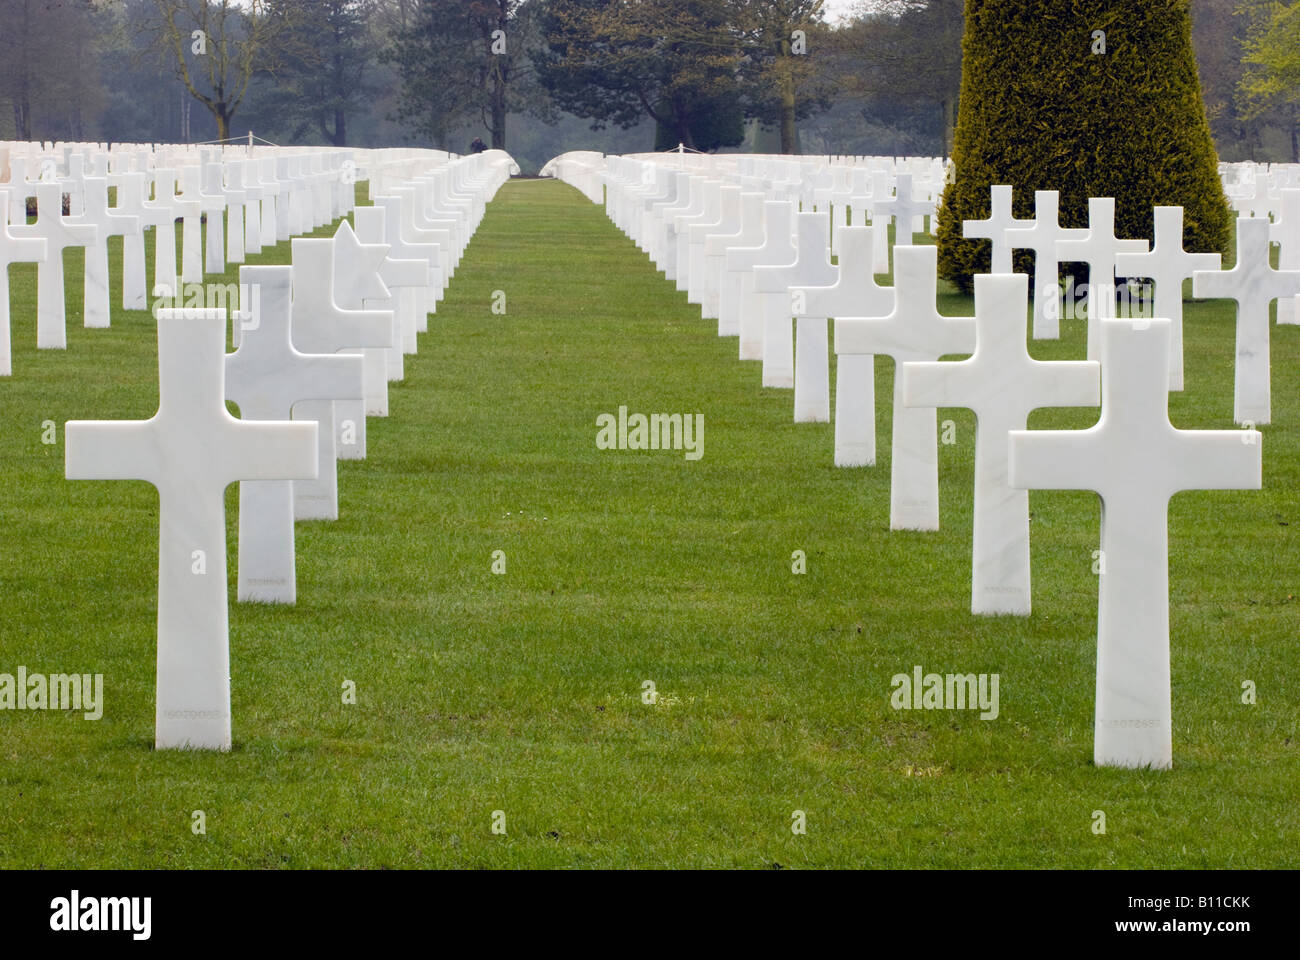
682 127
340 138
223 124
947 112
789 132
499 114
23 117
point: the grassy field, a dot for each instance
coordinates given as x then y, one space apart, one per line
522 692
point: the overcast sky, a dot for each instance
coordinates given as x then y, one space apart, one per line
836 8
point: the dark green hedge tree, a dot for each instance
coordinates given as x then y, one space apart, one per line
1042 108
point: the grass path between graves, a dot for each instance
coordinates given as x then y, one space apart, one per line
522 692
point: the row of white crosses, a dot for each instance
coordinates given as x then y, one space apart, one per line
1252 282
729 231
1128 371
249 188
291 362
1002 384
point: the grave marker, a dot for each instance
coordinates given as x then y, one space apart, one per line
1254 284
1099 250
13 249
1002 384
1042 238
911 331
266 377
1168 265
1135 460
1001 218
191 450
59 233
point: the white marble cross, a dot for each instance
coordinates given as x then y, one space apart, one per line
880 207
12 250
1168 265
160 213
250 182
237 200
907 210
191 450
1135 460
749 233
1286 232
911 330
320 326
130 203
189 210
203 183
404 278
357 278
1254 284
854 293
266 377
193 206
59 233
1002 384
439 237
777 249
412 302
812 267
108 223
20 188
1042 238
1099 250
1000 220
259 173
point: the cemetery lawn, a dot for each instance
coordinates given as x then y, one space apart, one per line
522 692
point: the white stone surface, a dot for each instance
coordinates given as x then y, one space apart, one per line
357 278
776 249
107 223
1168 265
404 279
1099 250
160 213
853 293
59 233
1002 384
1254 284
812 267
321 326
12 250
191 450
1286 232
910 330
267 377
1135 460
130 203
1042 238
994 228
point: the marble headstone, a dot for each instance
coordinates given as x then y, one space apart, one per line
191 450
1135 460
1002 384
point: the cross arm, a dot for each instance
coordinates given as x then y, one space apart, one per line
1214 284
1054 459
272 450
936 383
1218 460
112 450
404 273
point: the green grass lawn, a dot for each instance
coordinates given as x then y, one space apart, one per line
522 692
